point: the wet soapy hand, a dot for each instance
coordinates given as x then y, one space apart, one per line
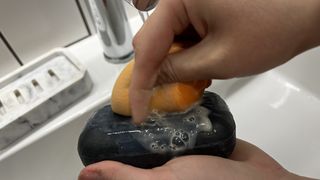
165 98
239 38
246 163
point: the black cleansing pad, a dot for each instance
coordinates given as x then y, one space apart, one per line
206 129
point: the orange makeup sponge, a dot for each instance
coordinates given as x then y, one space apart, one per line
173 97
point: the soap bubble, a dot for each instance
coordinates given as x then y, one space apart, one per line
185 137
177 141
173 133
154 146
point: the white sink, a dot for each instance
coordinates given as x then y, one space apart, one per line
278 111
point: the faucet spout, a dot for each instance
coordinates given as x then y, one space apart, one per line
113 26
113 29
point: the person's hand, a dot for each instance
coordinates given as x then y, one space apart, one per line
239 38
247 162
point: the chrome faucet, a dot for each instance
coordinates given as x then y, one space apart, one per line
113 27
143 5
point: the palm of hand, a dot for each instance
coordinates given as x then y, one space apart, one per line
247 162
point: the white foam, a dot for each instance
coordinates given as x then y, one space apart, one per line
174 132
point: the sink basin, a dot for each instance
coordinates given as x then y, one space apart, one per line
278 111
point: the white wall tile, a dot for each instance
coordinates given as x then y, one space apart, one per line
7 61
35 26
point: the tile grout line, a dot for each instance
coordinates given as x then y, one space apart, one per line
6 42
85 23
83 17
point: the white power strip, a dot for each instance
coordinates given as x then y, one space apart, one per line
35 93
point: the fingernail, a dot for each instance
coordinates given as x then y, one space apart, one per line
90 176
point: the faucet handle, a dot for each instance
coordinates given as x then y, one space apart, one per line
143 5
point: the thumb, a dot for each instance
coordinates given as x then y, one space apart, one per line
109 170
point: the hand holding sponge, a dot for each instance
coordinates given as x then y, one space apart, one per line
173 97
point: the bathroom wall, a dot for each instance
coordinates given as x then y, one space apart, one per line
7 60
30 28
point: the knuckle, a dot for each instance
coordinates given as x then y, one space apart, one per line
167 73
136 41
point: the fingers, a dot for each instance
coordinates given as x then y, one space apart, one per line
109 170
247 152
203 61
201 166
151 46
